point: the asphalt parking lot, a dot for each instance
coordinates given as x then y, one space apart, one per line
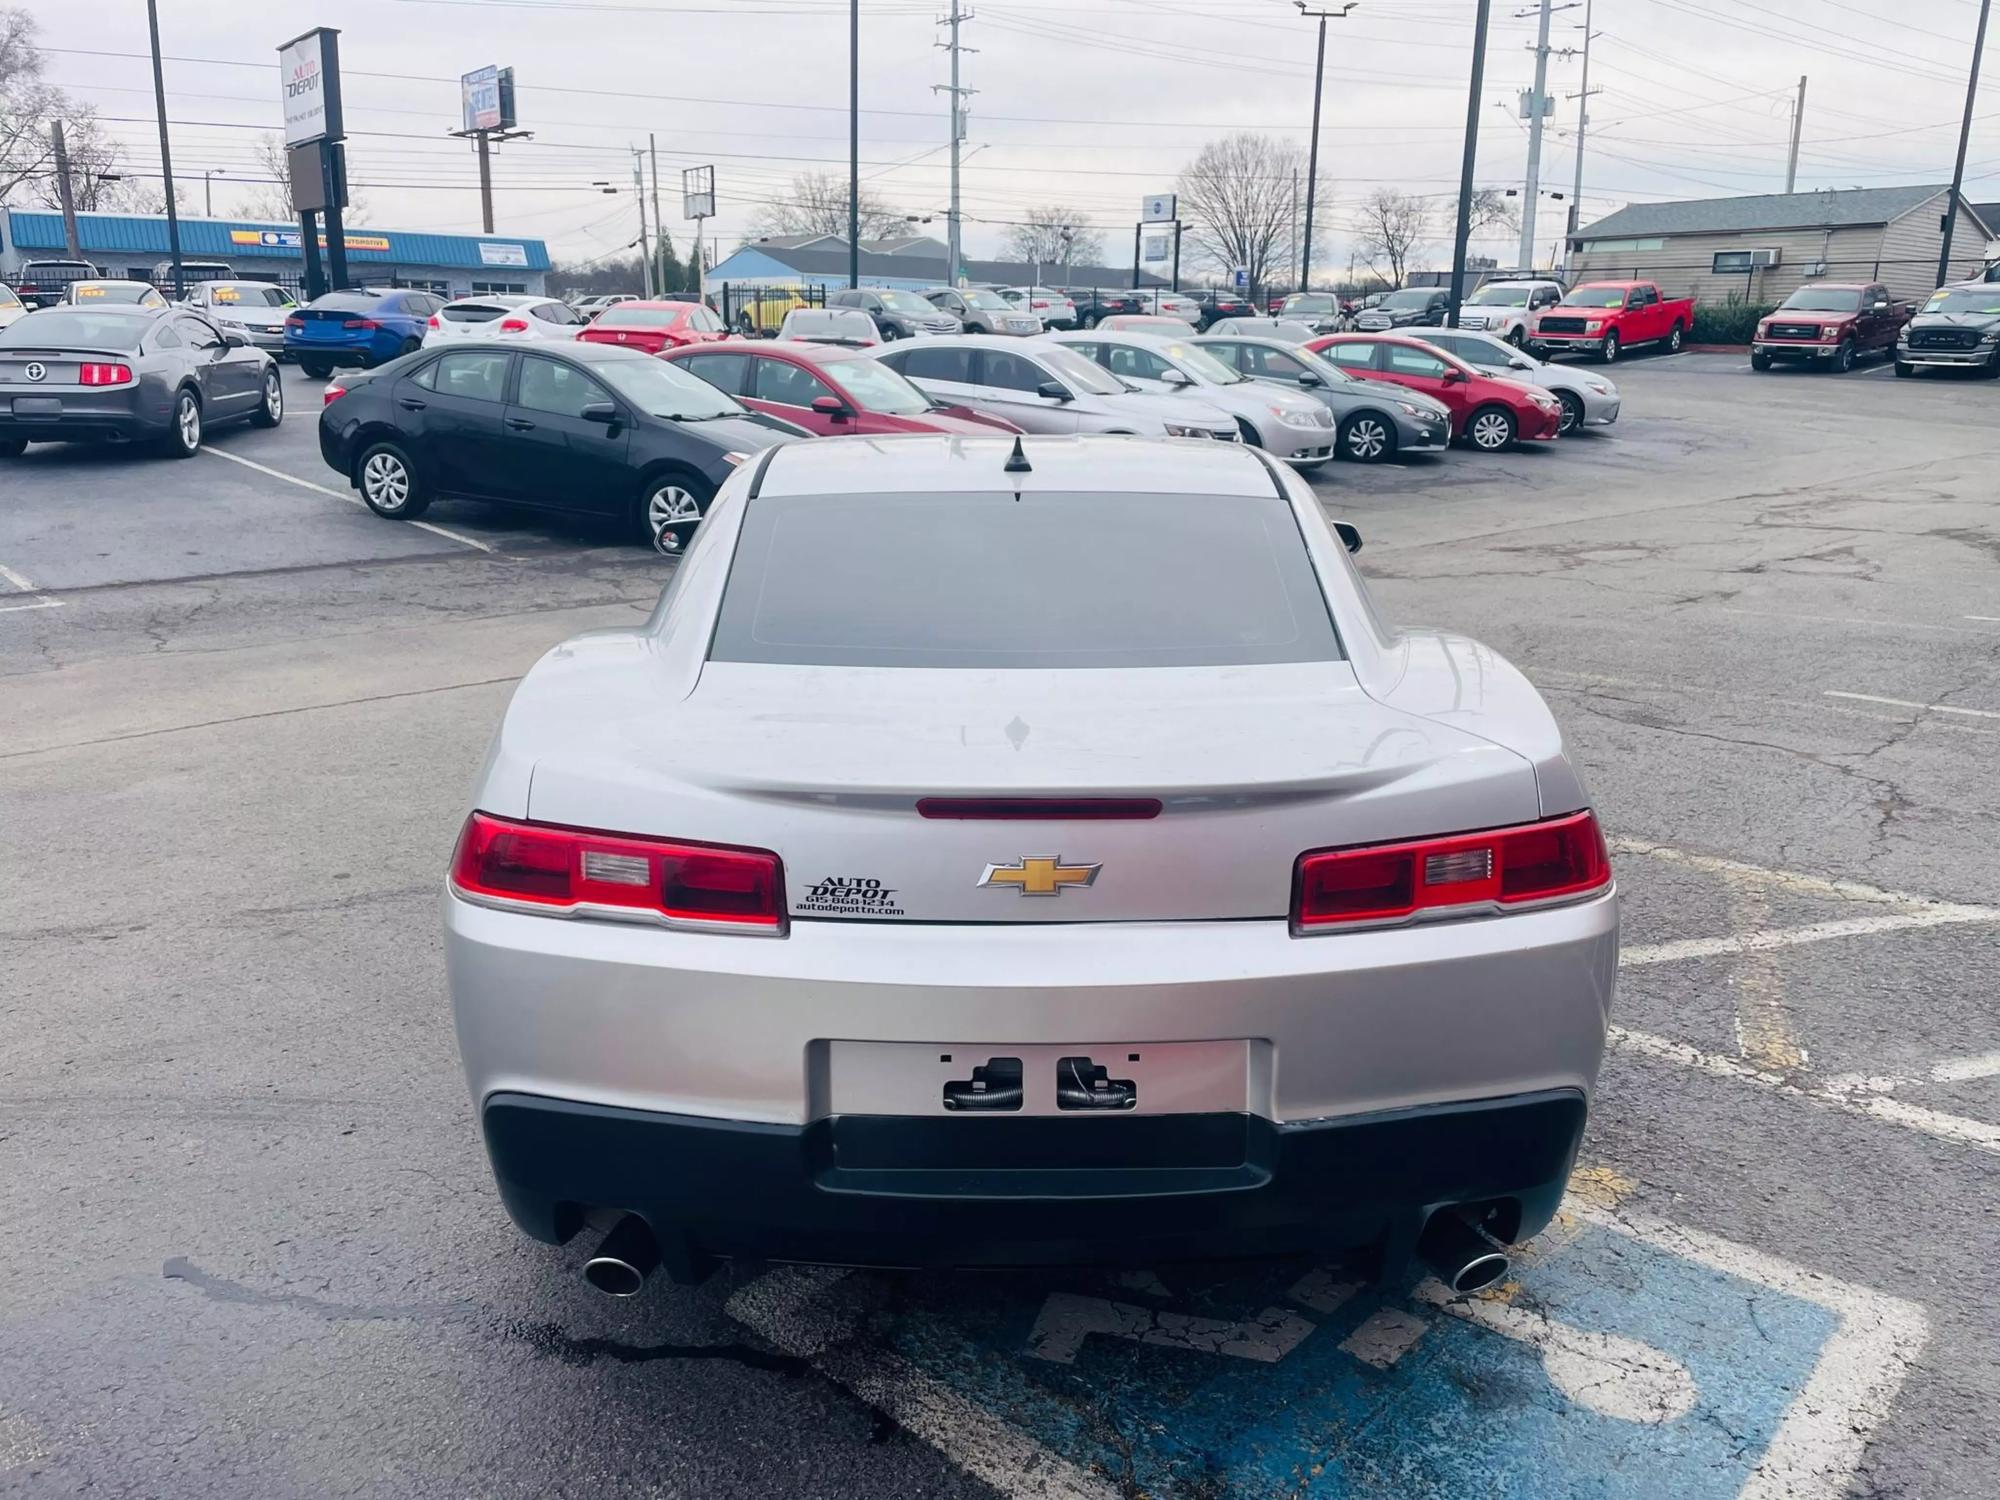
251 1246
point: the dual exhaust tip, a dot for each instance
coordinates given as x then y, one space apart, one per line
1464 1256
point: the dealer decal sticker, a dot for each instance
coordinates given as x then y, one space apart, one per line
848 896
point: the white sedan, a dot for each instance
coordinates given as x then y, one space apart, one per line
938 877
508 317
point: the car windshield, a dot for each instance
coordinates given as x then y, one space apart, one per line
72 328
248 294
1203 365
937 580
987 301
1309 302
1323 367
657 387
1595 296
1964 299
877 387
1499 296
1398 301
805 323
1824 299
110 291
627 316
905 302
1080 372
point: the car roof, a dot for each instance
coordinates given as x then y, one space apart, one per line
954 464
123 309
594 353
1836 286
1137 337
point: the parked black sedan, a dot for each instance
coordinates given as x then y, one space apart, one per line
589 429
128 374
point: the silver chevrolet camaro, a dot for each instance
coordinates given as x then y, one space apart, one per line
1035 850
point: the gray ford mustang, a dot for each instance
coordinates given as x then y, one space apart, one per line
1038 850
127 374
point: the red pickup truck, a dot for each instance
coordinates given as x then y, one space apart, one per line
1606 318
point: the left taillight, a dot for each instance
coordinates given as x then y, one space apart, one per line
567 871
1558 859
333 392
94 374
513 325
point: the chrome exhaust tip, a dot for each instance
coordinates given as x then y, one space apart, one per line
625 1259
1464 1256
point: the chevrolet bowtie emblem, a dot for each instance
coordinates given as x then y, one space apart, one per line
1039 875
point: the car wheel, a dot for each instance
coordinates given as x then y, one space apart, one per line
1759 361
315 369
1843 359
1903 370
410 346
1674 340
1517 336
271 410
184 435
1610 355
1572 418
671 507
890 333
1249 433
389 483
1491 429
1367 438
13 447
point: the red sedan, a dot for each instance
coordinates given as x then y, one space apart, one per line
827 389
655 326
1489 413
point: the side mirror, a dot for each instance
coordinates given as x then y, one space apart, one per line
1053 390
1180 380
1309 378
601 411
831 406
1454 377
236 340
1350 538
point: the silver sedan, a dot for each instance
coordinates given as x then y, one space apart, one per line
1289 424
1588 400
936 877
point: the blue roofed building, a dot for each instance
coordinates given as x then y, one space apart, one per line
135 245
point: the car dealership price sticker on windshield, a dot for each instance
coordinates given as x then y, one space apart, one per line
1627 1360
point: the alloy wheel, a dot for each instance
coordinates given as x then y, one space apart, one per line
1367 439
386 482
1572 417
187 421
1490 430
671 505
274 396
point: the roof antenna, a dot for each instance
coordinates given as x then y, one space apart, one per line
1017 461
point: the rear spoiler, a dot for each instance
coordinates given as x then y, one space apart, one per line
12 350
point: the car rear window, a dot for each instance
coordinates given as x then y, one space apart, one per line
642 317
60 328
349 302
471 312
995 580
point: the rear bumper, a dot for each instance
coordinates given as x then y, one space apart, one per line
900 1191
80 423
342 355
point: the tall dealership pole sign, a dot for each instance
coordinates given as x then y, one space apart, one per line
486 105
309 75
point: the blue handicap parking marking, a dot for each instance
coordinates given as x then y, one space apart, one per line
1609 1366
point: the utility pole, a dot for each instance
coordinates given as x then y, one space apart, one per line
1798 120
1463 231
854 143
1964 134
639 195
1582 125
1532 192
63 194
167 159
953 233
660 224
208 191
1312 152
1295 213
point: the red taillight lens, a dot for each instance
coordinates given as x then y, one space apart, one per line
333 392
295 323
1039 809
1039 304
361 323
513 325
104 375
433 320
567 868
1548 861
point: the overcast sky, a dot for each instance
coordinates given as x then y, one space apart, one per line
1091 103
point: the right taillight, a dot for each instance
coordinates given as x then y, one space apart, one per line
1559 859
568 871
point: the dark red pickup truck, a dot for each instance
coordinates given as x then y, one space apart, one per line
1606 318
1830 324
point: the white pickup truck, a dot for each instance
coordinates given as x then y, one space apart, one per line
1505 309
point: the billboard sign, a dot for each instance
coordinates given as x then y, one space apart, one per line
479 98
698 193
309 77
491 254
1160 208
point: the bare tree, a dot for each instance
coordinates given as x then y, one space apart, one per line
817 204
1393 229
28 104
1237 196
1053 235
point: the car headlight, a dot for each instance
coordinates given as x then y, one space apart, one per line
1546 403
1414 410
1591 325
733 459
1602 387
1180 429
1990 337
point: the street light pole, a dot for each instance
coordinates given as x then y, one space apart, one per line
167 159
1312 151
1463 231
854 142
1964 134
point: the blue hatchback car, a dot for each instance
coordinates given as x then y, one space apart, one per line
366 326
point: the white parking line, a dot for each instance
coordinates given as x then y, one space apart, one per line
1775 614
1935 708
26 585
1990 619
320 489
1684 949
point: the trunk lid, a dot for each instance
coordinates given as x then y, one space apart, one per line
824 765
